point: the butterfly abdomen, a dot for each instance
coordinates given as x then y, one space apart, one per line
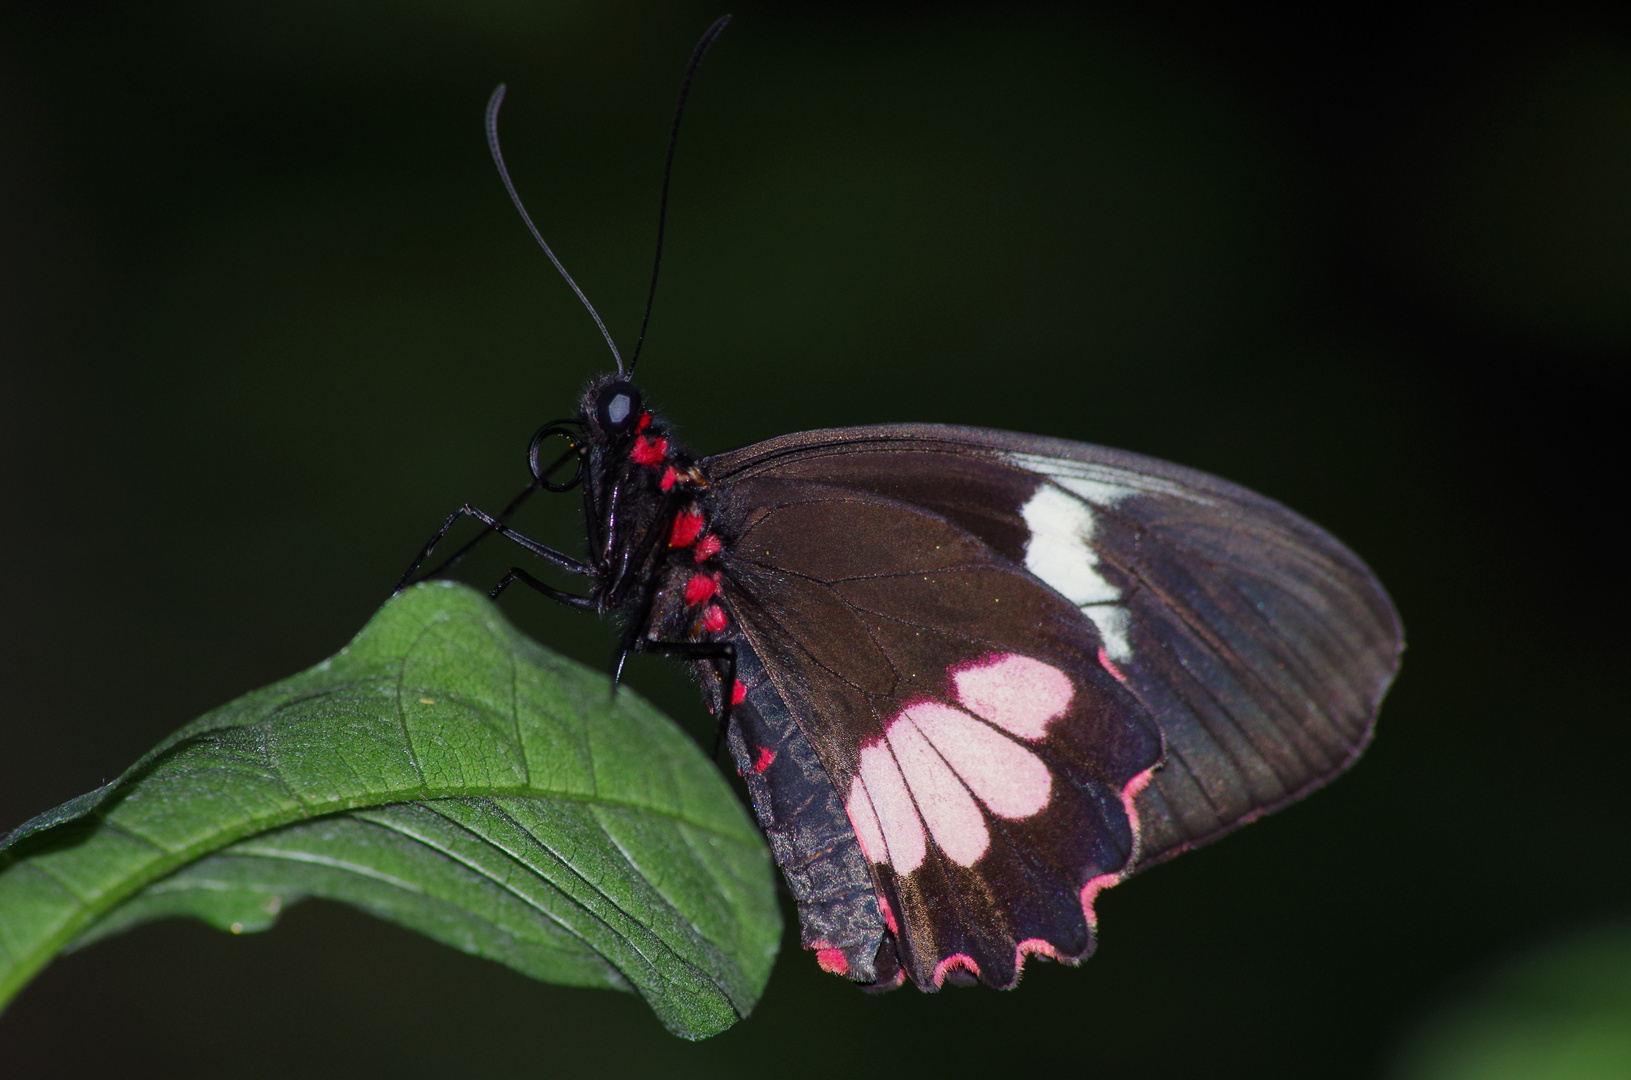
809 832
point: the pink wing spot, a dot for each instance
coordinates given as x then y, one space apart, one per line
687 525
888 916
1016 693
766 758
739 693
1013 782
713 619
833 960
902 828
953 817
707 548
954 962
864 820
670 476
1110 665
701 587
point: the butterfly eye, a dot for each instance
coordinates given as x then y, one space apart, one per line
619 404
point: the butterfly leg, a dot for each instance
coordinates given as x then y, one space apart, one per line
493 524
724 655
571 600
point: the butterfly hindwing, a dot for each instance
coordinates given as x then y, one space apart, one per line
985 756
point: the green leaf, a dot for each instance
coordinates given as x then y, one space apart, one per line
448 774
1559 1011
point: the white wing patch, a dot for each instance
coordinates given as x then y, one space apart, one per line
1105 483
940 768
1060 552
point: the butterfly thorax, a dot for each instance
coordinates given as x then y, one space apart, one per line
649 509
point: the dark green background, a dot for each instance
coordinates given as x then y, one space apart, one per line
266 316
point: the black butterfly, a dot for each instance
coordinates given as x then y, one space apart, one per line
971 678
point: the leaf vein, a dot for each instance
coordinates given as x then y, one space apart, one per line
401 829
329 861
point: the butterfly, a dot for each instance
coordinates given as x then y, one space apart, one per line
970 678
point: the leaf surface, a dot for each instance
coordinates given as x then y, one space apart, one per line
448 774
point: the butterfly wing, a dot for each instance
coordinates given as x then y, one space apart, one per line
984 757
1259 644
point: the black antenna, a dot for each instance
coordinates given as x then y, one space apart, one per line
668 168
498 159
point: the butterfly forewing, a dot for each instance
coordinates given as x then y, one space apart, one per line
1258 643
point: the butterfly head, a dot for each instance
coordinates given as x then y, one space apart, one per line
618 430
640 488
612 408
610 417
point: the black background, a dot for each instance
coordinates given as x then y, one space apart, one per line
266 315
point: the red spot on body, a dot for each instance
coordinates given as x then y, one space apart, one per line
708 547
640 424
669 476
701 587
833 960
687 526
739 693
713 619
1110 665
648 451
766 758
